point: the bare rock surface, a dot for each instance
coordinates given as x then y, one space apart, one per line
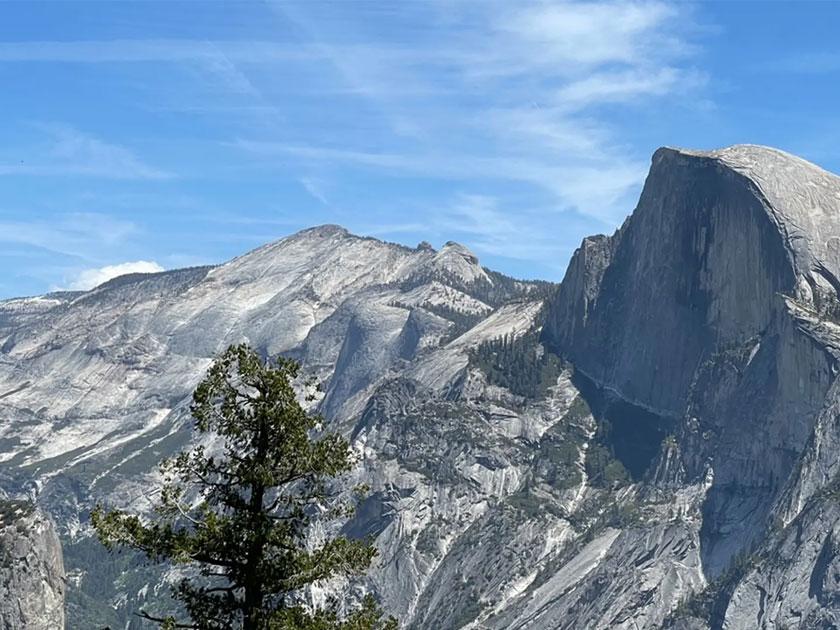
653 444
715 306
31 570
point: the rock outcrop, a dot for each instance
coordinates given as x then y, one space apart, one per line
31 570
714 306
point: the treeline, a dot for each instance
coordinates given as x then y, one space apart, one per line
519 364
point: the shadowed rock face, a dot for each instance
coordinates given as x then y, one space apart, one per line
31 570
698 266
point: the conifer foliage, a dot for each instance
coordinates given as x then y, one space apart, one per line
520 364
235 510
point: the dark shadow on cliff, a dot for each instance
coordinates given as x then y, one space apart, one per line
632 434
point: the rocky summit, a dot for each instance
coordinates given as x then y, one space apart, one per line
654 443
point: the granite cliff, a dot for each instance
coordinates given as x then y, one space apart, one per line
31 569
652 444
714 308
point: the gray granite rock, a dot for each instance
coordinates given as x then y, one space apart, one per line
31 570
714 306
680 471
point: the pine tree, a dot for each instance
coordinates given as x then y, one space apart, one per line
236 508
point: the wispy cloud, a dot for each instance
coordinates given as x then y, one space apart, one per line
501 122
315 187
76 235
493 230
492 227
64 150
592 189
148 50
66 251
511 92
583 35
623 86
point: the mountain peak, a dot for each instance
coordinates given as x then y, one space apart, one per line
458 260
451 248
322 231
801 199
752 159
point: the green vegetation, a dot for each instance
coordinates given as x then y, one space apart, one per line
709 602
563 472
13 511
238 517
429 538
578 412
603 469
119 572
558 460
497 289
469 607
526 502
519 364
623 515
462 320
827 306
11 514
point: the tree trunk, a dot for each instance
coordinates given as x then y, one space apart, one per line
252 605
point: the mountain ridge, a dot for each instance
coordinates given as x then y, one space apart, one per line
672 460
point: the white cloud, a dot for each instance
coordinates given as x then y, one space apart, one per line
315 187
147 50
90 278
617 87
578 34
592 187
494 231
515 102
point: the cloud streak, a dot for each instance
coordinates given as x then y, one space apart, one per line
148 50
68 151
75 234
502 122
536 78
582 187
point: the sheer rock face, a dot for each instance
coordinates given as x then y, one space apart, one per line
31 570
698 266
713 306
703 335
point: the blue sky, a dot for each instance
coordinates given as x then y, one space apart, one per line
162 134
